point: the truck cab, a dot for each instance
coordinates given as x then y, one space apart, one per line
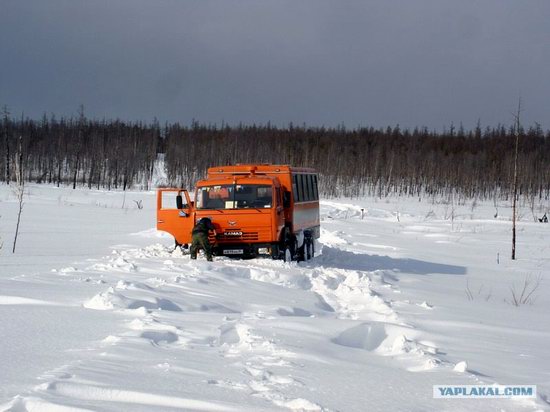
246 211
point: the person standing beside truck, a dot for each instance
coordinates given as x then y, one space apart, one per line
200 238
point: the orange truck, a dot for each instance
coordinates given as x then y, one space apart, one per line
257 209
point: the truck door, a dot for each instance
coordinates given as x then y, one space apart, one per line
175 214
279 209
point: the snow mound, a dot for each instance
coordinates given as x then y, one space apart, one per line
156 337
364 336
235 334
299 405
461 367
117 263
390 340
110 299
68 269
334 210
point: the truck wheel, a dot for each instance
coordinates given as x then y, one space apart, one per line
288 248
300 251
309 248
275 252
287 254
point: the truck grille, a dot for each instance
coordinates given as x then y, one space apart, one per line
250 236
236 235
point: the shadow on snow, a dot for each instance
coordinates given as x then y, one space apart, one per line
342 259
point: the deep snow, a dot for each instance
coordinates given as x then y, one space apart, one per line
99 313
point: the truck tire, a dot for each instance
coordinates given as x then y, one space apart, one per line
309 248
288 248
300 251
275 252
287 253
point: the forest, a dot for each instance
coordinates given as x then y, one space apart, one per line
115 154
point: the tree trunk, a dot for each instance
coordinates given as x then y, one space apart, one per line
514 201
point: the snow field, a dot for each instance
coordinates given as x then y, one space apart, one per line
371 323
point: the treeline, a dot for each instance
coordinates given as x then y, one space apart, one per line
366 161
80 152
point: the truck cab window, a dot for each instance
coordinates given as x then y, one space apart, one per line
315 188
234 197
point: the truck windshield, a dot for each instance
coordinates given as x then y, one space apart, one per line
234 197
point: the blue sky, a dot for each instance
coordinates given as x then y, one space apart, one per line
360 63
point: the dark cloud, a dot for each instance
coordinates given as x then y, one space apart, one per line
412 62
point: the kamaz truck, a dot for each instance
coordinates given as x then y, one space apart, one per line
256 209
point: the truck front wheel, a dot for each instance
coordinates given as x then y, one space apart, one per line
275 252
287 253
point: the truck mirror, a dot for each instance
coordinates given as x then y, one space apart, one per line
286 199
179 202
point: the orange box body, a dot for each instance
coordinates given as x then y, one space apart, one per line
256 209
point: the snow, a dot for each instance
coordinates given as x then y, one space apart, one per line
100 313
461 367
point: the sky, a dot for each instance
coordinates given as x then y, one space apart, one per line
411 63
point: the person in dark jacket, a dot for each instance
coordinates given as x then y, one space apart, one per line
200 238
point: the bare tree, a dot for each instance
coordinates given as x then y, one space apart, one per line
19 188
6 115
515 182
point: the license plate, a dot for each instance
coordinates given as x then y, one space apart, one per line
233 252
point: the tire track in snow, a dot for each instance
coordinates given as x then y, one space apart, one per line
350 294
260 356
144 300
239 340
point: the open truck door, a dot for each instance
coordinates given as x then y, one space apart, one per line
175 214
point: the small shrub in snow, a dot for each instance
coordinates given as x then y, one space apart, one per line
525 294
471 295
430 215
